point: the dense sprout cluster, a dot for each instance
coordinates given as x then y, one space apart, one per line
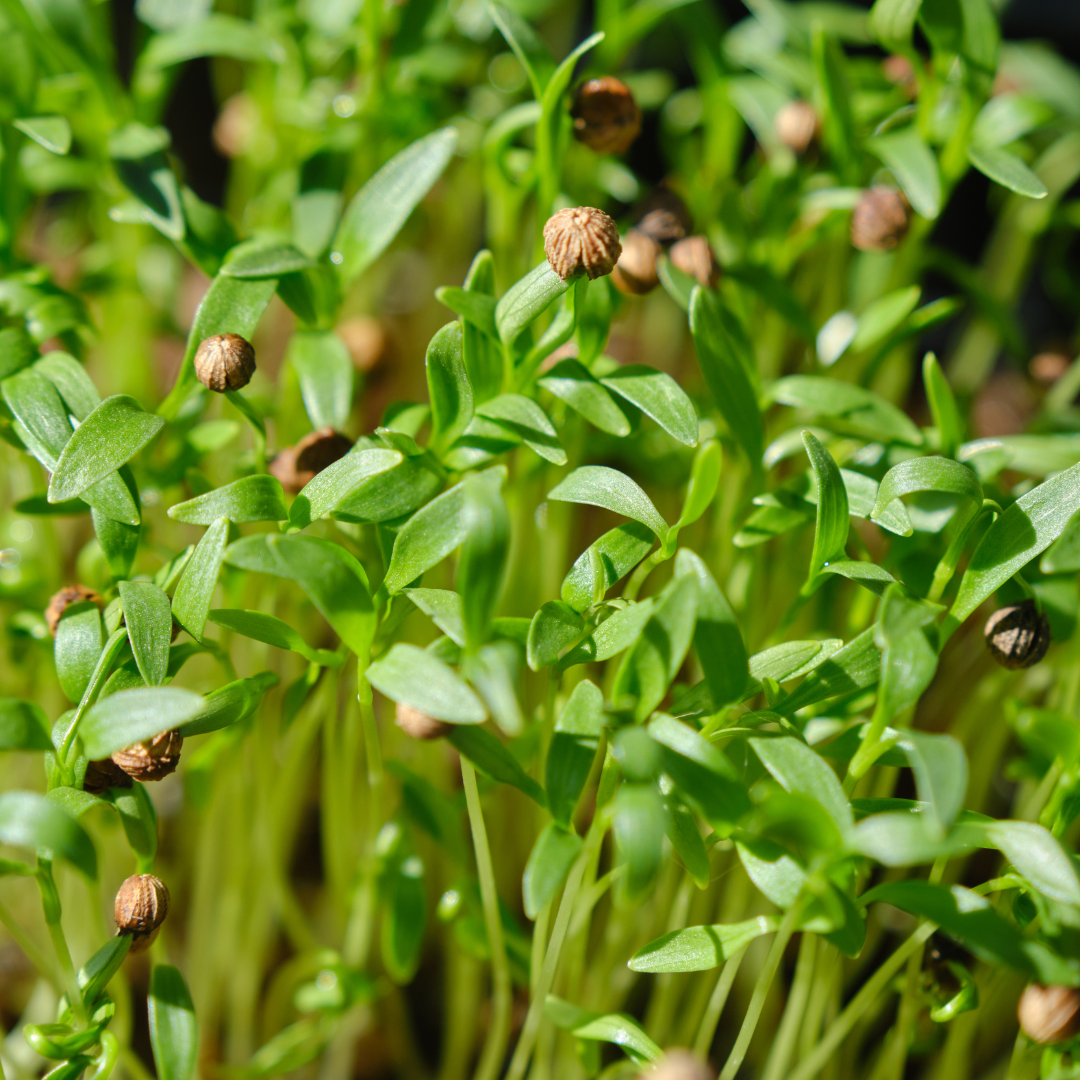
518 610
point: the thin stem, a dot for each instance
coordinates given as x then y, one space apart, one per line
780 1056
50 905
93 688
717 1001
839 1030
761 989
494 1051
33 953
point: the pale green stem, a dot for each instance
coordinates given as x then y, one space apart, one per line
839 1030
50 905
717 1001
491 1059
761 990
780 1056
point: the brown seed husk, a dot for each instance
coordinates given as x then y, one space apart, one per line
635 272
418 724
153 759
679 1064
581 238
1049 1014
140 908
664 217
606 117
68 595
694 256
880 220
104 774
296 465
224 362
797 124
1018 636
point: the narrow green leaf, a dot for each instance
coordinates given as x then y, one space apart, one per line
941 773
682 830
597 485
493 759
229 704
332 485
195 590
148 615
111 435
174 1031
526 299
79 639
573 747
534 55
552 855
449 391
31 821
1008 170
525 420
927 474
884 315
943 406
798 769
913 164
617 632
704 480
476 308
893 21
831 530
271 630
23 726
380 208
130 716
1036 853
324 369
618 551
252 498
659 396
570 381
700 948
480 348
608 1027
139 820
482 562
52 132
554 626
264 259
415 677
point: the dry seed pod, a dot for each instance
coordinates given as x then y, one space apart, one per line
296 465
664 217
694 256
679 1064
224 362
1048 367
68 595
606 117
140 908
581 238
418 724
1049 1014
102 775
796 125
880 220
1018 636
635 272
153 759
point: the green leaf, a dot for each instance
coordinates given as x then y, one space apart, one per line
869 575
607 1027
95 974
432 533
52 132
390 494
336 584
380 208
195 590
943 406
597 485
214 35
704 480
474 307
854 667
884 315
893 21
725 373
861 410
252 498
552 855
941 772
833 96
650 666
229 704
526 299
271 630
119 541
700 948
264 259
937 474
617 552
79 639
717 640
415 677
30 820
1019 535
480 348
914 166
570 381
525 420
130 716
659 396
682 830
332 485
493 671
23 726
796 768
174 1031
906 839
481 567
404 918
493 759
831 530
534 55
324 369
148 616
969 918
449 391
111 435
573 749
1038 856
617 632
139 819
231 306
1008 170
638 825
555 626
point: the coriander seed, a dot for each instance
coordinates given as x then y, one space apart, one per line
68 595
152 759
224 362
679 1064
418 724
140 908
606 117
695 256
1018 636
296 465
581 238
635 272
797 125
1049 1014
880 220
102 775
